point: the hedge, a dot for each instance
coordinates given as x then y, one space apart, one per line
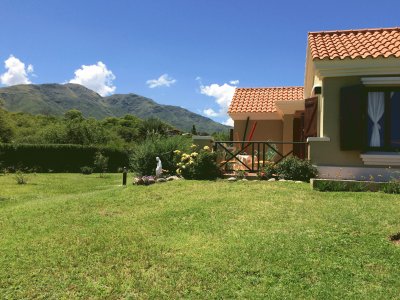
58 158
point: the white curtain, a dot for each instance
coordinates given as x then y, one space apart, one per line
376 108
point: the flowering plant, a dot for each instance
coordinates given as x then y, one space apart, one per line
197 165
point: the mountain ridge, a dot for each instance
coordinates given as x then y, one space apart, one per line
56 99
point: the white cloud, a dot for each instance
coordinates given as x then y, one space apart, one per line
95 77
228 122
234 82
16 72
210 112
222 94
163 80
30 69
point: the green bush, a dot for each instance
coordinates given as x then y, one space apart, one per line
86 170
58 158
143 157
392 187
200 166
101 163
268 171
21 177
293 168
341 186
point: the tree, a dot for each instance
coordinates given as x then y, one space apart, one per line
101 163
73 114
194 131
6 130
153 127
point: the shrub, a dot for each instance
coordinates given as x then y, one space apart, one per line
59 158
21 177
293 168
392 187
143 157
86 170
268 171
201 165
101 163
240 174
341 186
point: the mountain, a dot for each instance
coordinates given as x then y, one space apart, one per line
56 99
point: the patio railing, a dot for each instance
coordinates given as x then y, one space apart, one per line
252 156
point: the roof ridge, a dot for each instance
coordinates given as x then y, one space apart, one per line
272 87
352 30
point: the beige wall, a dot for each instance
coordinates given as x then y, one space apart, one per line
266 130
329 153
287 135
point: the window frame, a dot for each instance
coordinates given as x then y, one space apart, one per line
387 147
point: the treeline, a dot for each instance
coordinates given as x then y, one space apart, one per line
73 128
68 143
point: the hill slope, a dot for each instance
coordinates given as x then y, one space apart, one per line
56 99
121 104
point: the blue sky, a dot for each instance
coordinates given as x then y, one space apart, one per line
202 46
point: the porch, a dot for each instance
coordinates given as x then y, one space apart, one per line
253 156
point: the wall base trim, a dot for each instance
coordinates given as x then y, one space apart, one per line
381 159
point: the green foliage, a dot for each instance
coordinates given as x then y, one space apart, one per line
143 157
59 158
340 186
200 165
6 129
21 177
293 168
85 132
392 187
86 170
73 115
194 131
240 174
269 170
153 128
221 136
101 162
74 129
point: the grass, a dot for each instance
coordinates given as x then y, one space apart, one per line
66 236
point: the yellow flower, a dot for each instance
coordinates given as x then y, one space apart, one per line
177 152
206 148
193 146
194 154
185 156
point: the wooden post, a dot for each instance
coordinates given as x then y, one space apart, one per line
124 176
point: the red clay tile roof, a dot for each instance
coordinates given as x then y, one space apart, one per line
362 43
261 100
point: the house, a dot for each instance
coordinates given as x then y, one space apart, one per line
272 108
350 105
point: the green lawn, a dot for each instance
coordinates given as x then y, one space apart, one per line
66 236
